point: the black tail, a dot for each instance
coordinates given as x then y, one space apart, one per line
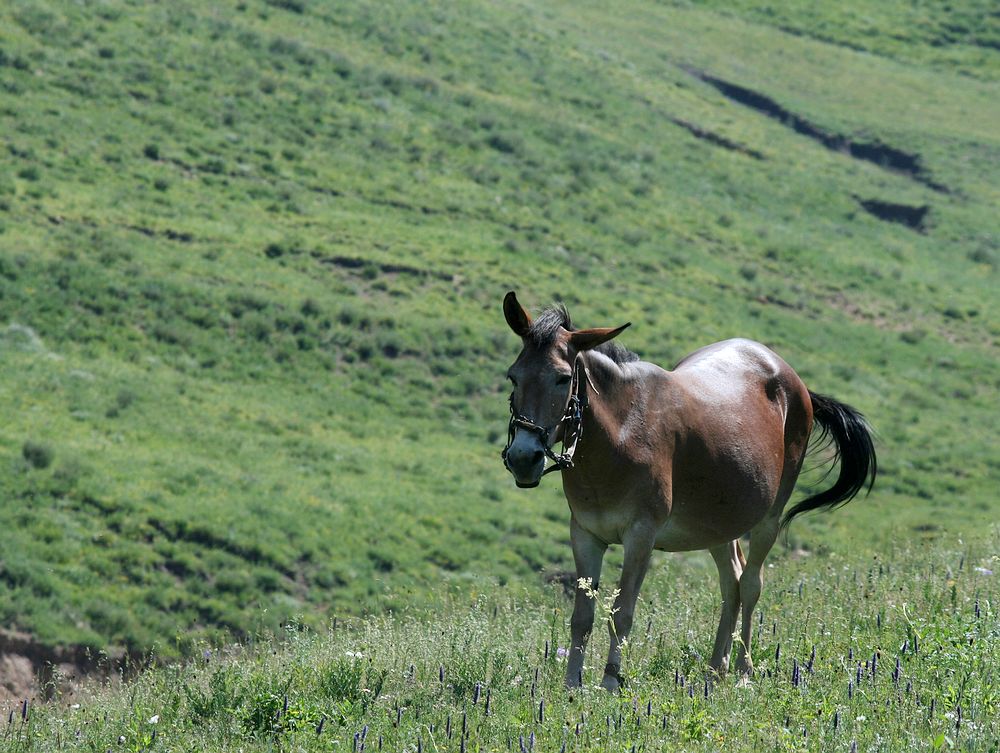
855 449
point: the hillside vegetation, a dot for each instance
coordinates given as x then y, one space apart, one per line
252 256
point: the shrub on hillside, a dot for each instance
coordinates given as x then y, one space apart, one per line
38 455
295 6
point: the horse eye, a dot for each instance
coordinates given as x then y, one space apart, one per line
563 379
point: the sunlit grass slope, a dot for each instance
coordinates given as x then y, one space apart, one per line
252 256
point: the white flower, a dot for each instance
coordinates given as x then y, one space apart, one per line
984 571
155 719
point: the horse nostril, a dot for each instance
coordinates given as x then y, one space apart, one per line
537 456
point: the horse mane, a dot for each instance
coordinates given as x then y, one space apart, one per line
545 326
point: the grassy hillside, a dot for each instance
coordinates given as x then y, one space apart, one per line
962 38
252 256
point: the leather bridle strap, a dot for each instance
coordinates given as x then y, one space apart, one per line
571 421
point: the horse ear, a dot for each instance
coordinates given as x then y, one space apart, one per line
585 339
517 318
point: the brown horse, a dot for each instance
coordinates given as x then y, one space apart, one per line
676 460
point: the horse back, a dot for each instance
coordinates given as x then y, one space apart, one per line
741 376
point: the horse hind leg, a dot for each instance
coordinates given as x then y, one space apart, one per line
762 538
729 559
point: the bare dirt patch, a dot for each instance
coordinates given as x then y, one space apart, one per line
32 670
902 214
877 153
714 138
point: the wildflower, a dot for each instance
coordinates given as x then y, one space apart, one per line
562 653
155 719
984 571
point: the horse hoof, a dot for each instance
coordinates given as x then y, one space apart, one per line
610 684
714 676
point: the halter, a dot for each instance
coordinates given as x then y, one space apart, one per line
572 421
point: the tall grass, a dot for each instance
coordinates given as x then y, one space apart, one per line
895 652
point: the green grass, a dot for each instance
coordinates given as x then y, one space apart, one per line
961 38
252 256
896 652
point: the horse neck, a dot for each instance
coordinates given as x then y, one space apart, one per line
607 382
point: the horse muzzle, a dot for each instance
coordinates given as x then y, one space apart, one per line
526 464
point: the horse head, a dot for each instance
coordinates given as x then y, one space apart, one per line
547 388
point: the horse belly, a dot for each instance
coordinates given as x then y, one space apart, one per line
681 535
674 537
712 508
608 524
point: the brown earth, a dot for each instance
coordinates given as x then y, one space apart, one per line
29 669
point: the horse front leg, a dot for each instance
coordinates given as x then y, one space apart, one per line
588 554
638 543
